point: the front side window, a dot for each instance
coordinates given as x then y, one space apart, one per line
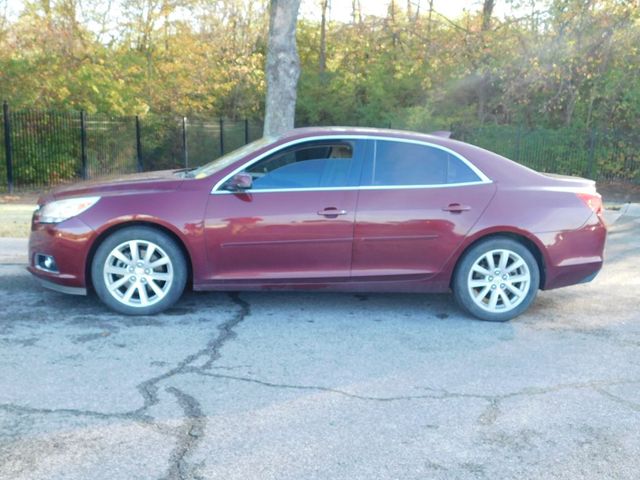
312 165
402 163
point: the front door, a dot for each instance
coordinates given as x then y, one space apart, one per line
294 222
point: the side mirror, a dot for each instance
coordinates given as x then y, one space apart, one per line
240 181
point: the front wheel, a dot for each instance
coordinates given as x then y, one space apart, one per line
496 280
139 271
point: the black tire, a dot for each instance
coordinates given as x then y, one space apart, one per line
165 246
462 278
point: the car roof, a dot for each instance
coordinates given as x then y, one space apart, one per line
365 131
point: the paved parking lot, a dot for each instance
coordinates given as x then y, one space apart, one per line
324 386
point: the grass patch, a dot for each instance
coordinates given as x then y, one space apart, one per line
15 220
614 207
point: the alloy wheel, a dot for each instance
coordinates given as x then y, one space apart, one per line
138 273
499 280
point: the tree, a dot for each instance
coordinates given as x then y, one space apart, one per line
543 63
283 67
324 5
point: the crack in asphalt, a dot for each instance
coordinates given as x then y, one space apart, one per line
149 388
190 432
190 435
226 330
632 405
195 420
437 394
21 409
488 417
143 420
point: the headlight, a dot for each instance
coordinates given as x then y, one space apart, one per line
61 210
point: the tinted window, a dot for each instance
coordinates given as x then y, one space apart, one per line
401 163
304 166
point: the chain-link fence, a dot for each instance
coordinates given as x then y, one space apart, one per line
44 148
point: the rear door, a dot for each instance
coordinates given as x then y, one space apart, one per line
417 202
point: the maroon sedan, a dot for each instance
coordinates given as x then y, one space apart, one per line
341 209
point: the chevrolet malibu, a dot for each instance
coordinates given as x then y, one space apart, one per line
343 209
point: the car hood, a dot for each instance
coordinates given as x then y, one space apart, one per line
162 180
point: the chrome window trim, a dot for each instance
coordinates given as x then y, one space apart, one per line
483 178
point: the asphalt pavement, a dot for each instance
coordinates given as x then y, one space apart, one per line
324 386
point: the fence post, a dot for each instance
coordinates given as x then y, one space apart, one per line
246 131
518 139
83 143
138 145
185 150
7 145
221 136
592 153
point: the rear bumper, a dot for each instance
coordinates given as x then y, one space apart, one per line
574 256
590 277
564 276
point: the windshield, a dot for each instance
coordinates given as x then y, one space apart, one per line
227 159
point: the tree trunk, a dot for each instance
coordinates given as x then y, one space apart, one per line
356 12
283 67
392 14
487 11
323 38
483 83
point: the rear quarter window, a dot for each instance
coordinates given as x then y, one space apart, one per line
403 164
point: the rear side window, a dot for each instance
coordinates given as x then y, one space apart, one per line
316 165
401 163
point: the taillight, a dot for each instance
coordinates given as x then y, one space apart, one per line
593 201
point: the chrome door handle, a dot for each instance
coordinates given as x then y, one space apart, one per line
456 208
331 212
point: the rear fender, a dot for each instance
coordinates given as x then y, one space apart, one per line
530 240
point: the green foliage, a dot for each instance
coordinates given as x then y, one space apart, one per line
547 73
47 145
161 137
111 145
597 154
555 63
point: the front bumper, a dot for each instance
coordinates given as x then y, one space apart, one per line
59 288
68 242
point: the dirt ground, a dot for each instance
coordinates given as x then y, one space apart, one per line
618 192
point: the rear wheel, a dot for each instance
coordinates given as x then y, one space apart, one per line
139 271
497 279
